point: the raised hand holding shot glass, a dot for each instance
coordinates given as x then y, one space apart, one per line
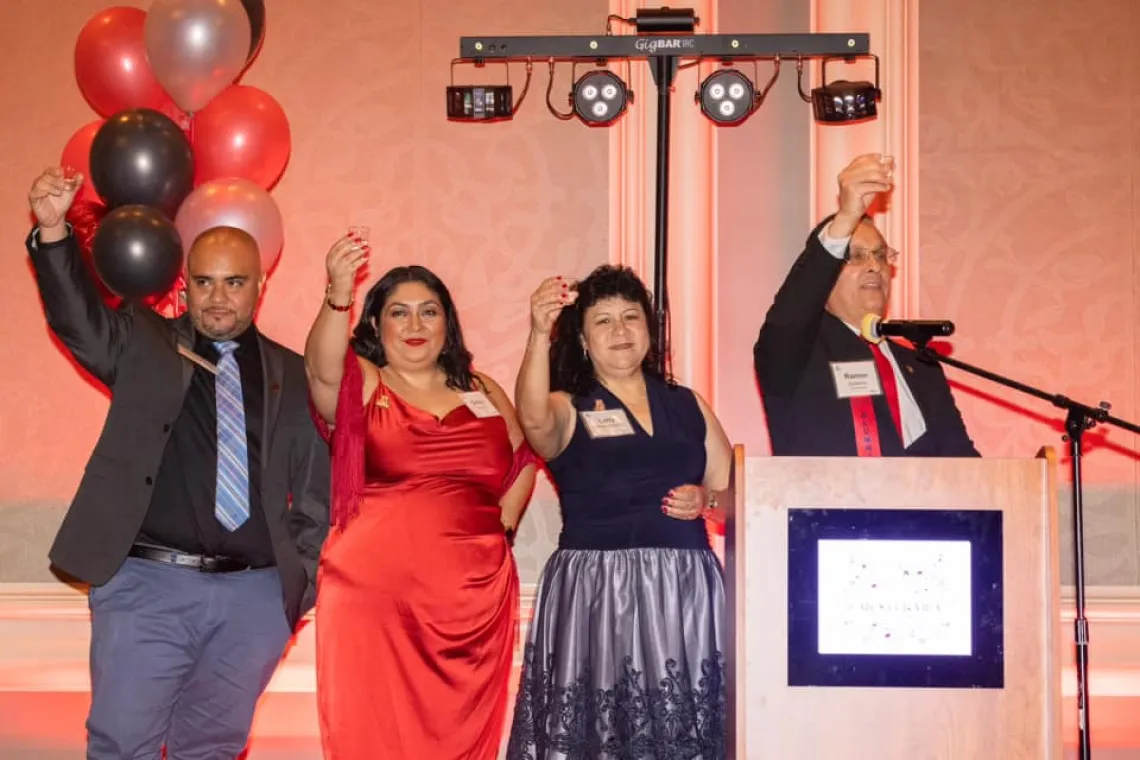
71 177
359 232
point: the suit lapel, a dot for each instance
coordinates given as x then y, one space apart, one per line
843 345
183 333
273 372
906 361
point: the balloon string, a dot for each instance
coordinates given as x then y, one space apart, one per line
170 304
180 284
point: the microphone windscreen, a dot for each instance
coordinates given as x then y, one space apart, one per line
869 329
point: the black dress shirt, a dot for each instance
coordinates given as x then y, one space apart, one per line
181 513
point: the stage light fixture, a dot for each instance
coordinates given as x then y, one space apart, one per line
727 96
842 101
600 97
483 102
479 102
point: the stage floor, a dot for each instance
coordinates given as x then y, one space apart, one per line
49 726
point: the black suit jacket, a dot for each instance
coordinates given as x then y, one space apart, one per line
134 352
797 344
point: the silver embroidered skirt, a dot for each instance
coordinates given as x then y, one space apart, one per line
624 659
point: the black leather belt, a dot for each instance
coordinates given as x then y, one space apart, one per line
194 561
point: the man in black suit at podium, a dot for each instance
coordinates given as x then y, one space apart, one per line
826 390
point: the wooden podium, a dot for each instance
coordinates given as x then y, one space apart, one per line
1018 719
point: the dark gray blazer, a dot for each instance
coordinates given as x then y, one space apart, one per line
134 352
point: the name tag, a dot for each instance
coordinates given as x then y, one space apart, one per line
856 379
479 404
607 423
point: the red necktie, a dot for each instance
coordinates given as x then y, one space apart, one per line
890 388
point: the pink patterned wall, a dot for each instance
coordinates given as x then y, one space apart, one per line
1029 137
1028 215
762 205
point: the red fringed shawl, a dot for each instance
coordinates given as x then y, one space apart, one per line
346 446
346 443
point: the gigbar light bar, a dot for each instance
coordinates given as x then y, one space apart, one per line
722 46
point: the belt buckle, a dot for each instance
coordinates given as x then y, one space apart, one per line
207 564
179 559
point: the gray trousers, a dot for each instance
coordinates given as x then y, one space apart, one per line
179 659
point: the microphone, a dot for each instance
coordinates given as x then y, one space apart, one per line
917 331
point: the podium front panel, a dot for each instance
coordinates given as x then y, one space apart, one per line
861 585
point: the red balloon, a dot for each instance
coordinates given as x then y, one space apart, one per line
111 66
242 133
77 155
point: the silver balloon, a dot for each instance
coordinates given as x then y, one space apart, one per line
196 48
233 203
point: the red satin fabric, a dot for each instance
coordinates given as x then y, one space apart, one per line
418 597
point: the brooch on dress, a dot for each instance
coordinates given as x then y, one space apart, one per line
383 402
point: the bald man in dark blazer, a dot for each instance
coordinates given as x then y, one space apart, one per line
199 520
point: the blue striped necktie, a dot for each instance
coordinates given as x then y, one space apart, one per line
231 498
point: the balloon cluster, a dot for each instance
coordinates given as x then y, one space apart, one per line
180 146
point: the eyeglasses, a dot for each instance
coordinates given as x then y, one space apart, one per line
882 256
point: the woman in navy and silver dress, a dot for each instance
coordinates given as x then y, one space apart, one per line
625 655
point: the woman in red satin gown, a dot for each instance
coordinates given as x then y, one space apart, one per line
418 594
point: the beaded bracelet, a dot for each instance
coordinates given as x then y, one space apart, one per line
333 306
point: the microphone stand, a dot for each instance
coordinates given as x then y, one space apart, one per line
1079 418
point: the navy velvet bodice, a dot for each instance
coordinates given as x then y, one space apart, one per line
610 489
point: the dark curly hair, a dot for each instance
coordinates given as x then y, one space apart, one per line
570 369
454 358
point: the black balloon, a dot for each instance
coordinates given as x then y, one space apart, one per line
142 157
255 9
137 252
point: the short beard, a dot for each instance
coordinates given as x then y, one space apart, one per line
237 330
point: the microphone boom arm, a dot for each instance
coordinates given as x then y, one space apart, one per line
1080 417
1092 414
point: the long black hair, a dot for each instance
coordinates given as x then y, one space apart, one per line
454 358
570 368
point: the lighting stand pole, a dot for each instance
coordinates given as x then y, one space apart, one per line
664 70
1080 417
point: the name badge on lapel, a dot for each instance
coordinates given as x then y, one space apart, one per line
606 423
856 379
479 404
